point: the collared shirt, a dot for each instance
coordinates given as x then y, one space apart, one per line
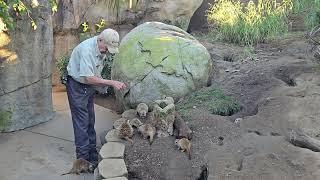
86 60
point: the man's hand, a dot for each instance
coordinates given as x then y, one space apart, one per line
118 85
102 82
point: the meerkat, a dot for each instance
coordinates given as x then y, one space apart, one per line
126 131
79 166
147 130
238 121
135 122
142 110
162 128
184 145
170 120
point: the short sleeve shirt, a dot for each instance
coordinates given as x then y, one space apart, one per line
86 60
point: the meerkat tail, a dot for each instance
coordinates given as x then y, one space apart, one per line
70 172
189 153
66 173
151 139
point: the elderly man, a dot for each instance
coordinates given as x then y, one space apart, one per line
84 76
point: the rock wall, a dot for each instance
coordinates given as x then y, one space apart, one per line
25 72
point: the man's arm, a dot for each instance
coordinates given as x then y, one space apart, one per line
104 82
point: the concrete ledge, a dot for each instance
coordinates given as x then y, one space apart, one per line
112 150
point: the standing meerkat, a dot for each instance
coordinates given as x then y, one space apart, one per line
142 110
147 130
126 131
170 121
184 145
79 166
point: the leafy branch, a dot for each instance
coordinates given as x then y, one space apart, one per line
16 8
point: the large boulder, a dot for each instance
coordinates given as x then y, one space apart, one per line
157 59
25 72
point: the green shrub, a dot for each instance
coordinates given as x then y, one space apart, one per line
61 65
251 23
182 24
310 10
211 99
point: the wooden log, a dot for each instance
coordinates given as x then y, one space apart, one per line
183 131
301 139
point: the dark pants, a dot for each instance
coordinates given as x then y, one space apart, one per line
80 98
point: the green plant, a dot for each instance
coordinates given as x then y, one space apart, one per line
88 32
61 65
9 10
85 26
210 36
54 5
181 23
211 99
251 23
6 21
248 53
310 10
100 25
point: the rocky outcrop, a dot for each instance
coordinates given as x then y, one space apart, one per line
72 13
174 12
25 72
157 59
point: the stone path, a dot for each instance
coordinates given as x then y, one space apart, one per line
112 165
46 151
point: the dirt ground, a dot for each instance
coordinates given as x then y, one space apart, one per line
278 87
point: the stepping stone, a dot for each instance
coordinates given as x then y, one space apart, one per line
117 178
112 136
112 150
111 168
129 114
119 122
